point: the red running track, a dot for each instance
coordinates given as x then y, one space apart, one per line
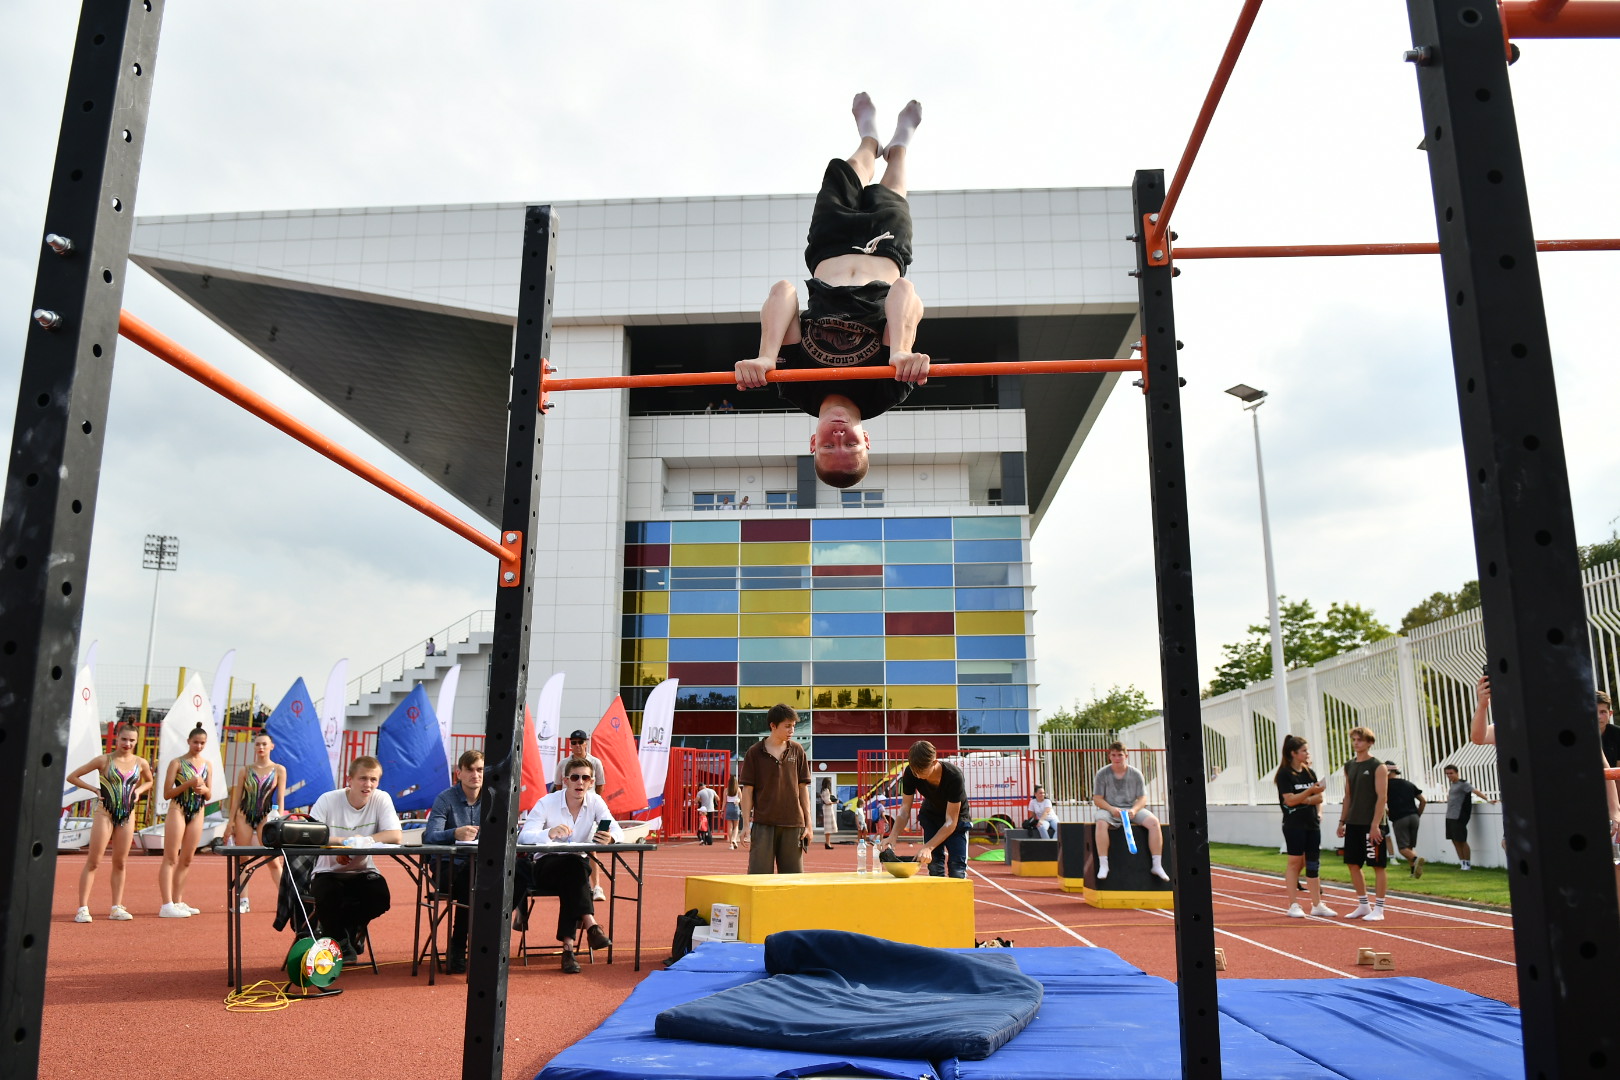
127 989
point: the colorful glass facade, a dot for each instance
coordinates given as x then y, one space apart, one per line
880 631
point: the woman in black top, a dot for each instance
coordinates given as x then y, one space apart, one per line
1299 793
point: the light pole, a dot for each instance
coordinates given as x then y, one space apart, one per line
161 553
1252 400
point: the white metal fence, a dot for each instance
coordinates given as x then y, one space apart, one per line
1416 693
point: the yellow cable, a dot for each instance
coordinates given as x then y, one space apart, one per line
262 996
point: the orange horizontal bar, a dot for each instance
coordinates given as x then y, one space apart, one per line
1580 19
1306 251
172 353
936 371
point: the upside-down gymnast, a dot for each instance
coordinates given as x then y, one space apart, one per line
861 310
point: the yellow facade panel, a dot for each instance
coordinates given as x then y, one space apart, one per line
920 648
648 650
763 697
990 622
703 554
646 603
702 626
792 553
776 599
776 624
922 697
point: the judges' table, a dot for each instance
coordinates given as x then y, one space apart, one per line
417 859
918 910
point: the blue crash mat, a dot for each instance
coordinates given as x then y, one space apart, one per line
1101 1028
1383 1029
1044 963
857 994
625 1048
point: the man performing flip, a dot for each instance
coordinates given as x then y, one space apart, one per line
861 309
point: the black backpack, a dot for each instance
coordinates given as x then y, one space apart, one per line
684 925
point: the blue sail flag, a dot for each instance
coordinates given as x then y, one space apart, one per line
412 754
296 729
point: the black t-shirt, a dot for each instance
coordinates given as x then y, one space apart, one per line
1402 797
1611 745
842 326
936 797
1290 782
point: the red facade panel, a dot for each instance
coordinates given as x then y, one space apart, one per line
847 571
646 554
706 723
923 722
943 744
775 532
719 673
847 722
920 623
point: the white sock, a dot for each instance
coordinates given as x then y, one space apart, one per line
1380 903
1158 862
1102 866
865 116
1361 901
905 125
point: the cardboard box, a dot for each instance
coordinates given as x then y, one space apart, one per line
723 920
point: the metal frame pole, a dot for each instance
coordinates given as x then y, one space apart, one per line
1279 664
1178 653
1566 937
52 478
484 1037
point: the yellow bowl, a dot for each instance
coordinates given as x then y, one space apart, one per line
902 869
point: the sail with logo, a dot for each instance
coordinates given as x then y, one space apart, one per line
411 752
296 728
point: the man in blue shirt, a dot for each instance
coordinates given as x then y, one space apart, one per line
454 819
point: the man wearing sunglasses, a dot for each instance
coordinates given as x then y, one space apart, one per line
573 815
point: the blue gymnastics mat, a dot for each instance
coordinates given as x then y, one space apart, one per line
1100 1019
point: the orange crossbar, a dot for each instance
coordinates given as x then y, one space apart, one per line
172 353
1157 230
936 371
1581 19
1305 251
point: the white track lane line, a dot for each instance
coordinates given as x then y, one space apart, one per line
1003 907
1259 945
1039 913
1427 903
1360 927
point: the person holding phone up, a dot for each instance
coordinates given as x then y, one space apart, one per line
576 814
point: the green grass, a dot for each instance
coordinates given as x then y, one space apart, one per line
1481 886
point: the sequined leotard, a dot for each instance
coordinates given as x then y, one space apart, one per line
258 796
189 802
118 792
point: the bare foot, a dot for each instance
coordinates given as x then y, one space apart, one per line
865 116
905 126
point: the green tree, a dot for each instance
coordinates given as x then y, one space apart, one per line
1601 552
1119 708
1307 639
1442 605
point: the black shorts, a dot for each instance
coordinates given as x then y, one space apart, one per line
1457 829
1304 841
850 218
1359 851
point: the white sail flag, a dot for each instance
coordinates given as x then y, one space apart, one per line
222 689
446 709
333 706
547 722
190 711
84 731
657 718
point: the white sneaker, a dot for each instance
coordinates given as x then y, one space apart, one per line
169 911
598 894
119 913
1465 866
1102 873
1322 911
1158 872
194 911
82 915
1295 911
1361 912
1375 915
243 907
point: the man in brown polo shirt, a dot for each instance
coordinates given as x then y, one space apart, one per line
775 779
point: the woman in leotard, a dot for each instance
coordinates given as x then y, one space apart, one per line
187 786
123 777
261 790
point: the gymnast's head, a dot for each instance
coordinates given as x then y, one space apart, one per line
840 445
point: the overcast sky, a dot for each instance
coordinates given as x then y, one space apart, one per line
296 563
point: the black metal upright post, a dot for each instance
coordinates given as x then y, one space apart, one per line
1178 654
484 1040
52 478
1566 938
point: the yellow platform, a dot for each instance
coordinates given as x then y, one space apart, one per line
1123 898
1035 869
918 911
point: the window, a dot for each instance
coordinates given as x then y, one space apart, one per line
714 500
781 500
860 498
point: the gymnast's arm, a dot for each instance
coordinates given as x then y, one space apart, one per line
903 312
778 326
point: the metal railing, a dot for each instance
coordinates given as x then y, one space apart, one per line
1416 693
416 656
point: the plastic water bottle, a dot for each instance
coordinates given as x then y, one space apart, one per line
860 856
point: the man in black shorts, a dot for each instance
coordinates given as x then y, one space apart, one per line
1366 797
861 311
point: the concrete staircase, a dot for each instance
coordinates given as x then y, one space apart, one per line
464 644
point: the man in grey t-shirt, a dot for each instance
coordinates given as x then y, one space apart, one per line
1120 795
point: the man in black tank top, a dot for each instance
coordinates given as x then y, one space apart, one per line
862 312
944 813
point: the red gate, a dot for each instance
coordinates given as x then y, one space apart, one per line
690 769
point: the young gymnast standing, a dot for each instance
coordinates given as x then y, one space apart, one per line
123 777
187 785
260 790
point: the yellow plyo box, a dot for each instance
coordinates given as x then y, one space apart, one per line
1122 898
918 911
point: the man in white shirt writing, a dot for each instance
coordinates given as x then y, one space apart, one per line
348 890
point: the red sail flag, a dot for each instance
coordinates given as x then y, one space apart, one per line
533 780
616 746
